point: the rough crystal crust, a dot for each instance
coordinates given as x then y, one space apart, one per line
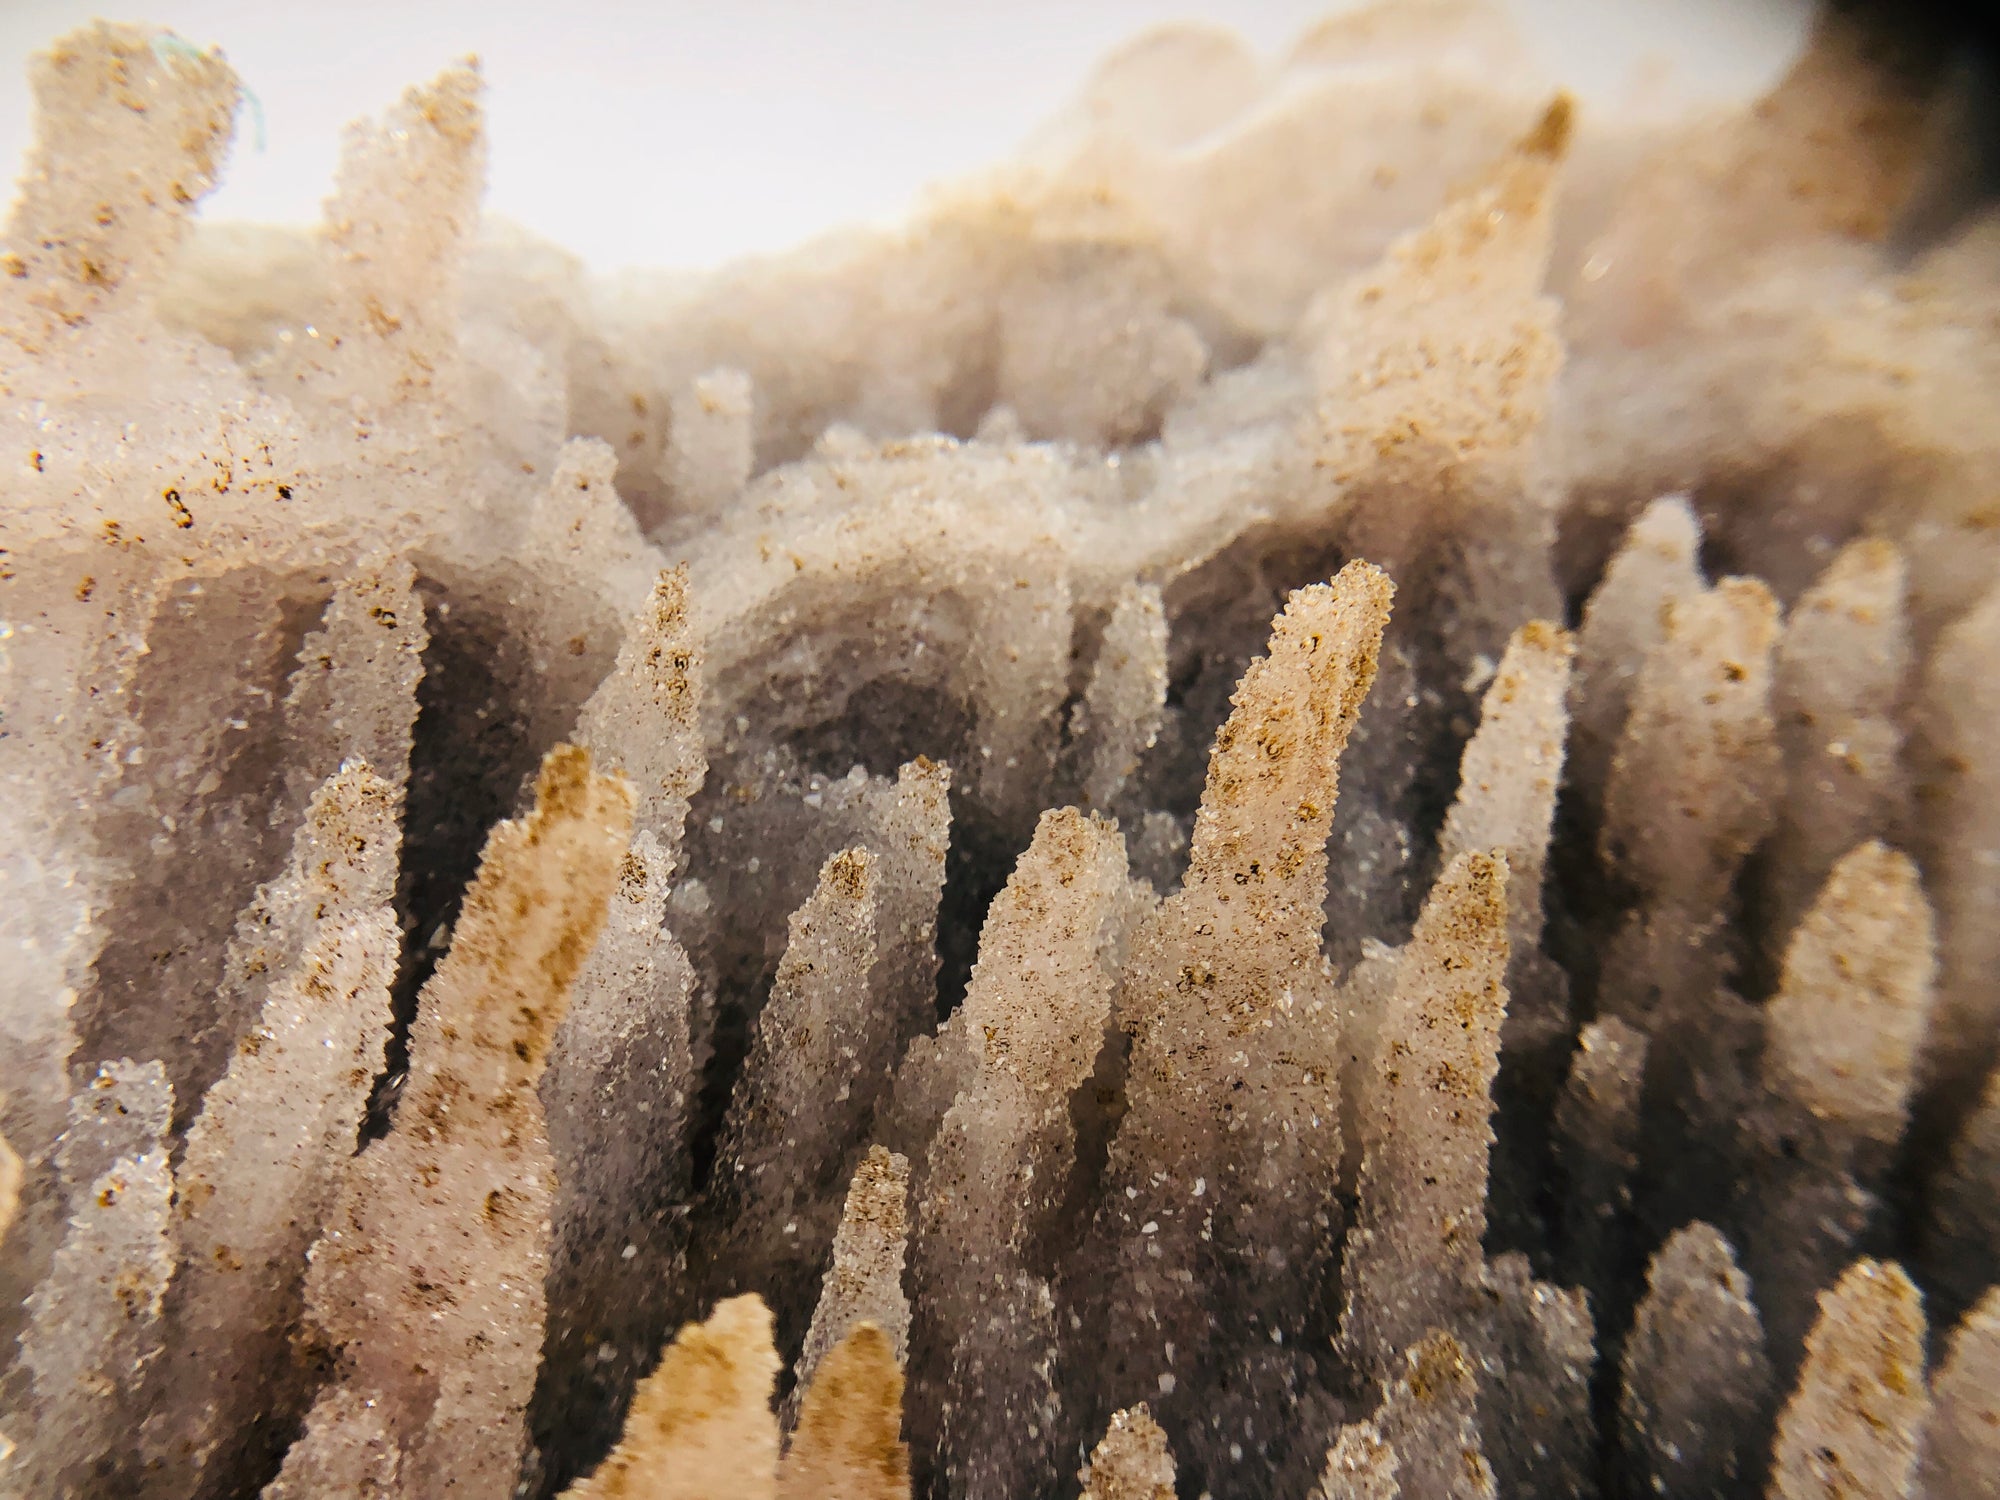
1853 1425
870 807
1695 1385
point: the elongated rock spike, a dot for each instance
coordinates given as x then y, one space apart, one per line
1413 1257
1844 1029
1507 779
701 1425
1695 1386
1131 1461
1853 1425
1428 1418
864 1282
132 128
444 1219
1361 1465
849 1435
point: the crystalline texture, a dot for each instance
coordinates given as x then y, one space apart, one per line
1035 1015
1537 1348
617 1094
1962 1440
1853 1424
1427 1419
1119 717
1961 836
154 123
795 1121
1842 1032
1507 780
1597 1145
93 1325
1838 682
1413 1258
436 1245
1695 1387
1840 1054
701 1423
847 1441
1227 997
263 1166
314 542
644 719
1361 1465
1689 790
864 1283
1131 1461
1654 567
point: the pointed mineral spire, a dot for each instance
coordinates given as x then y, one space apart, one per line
1853 1424
1537 1346
1691 787
864 1282
1035 1016
1842 1033
1464 293
645 718
1656 566
354 695
701 1425
1840 676
618 1092
1961 828
131 129
1695 1387
1131 1460
794 1120
1428 1418
1413 1259
1597 1146
429 1274
849 1437
404 207
1361 1465
1512 764
1229 1001
342 868
711 447
1272 780
263 1165
1119 717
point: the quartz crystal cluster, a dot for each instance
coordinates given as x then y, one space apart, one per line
1301 799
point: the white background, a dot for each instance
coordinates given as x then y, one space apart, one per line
685 132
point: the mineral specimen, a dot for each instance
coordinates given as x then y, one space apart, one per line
1301 798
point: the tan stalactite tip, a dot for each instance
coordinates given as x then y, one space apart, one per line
1131 1461
849 1438
701 1426
1268 801
1852 1426
578 817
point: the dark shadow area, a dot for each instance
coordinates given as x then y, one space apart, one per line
468 759
200 819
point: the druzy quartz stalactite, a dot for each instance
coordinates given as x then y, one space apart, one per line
1019 974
